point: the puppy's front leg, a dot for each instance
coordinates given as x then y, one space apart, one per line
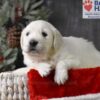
61 71
44 69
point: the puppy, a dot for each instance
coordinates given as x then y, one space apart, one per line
45 49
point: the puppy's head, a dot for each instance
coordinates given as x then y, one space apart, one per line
40 37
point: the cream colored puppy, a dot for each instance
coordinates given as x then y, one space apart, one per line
45 49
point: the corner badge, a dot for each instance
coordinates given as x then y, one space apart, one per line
91 9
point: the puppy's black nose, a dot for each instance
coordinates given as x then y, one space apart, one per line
33 43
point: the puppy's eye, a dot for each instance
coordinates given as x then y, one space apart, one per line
44 34
27 33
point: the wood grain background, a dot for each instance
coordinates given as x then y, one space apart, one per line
67 17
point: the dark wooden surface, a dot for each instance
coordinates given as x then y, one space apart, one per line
67 17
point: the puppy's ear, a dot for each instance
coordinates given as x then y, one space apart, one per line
57 39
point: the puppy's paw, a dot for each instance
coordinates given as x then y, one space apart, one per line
61 76
44 69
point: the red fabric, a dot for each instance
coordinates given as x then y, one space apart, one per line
81 81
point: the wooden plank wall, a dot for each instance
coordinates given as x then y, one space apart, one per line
67 17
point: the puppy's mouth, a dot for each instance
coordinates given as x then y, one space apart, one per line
32 49
35 50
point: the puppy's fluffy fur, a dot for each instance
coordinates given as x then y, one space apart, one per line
56 52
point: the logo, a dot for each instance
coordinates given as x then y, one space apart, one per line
91 9
87 5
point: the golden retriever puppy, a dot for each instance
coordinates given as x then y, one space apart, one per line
45 49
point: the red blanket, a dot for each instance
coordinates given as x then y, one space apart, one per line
81 81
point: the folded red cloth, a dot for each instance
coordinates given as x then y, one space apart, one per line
81 81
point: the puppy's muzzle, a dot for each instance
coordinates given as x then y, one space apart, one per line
33 44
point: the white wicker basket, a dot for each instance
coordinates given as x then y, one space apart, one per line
13 86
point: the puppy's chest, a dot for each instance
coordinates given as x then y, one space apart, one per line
31 59
39 58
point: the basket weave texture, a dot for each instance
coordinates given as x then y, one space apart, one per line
13 87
